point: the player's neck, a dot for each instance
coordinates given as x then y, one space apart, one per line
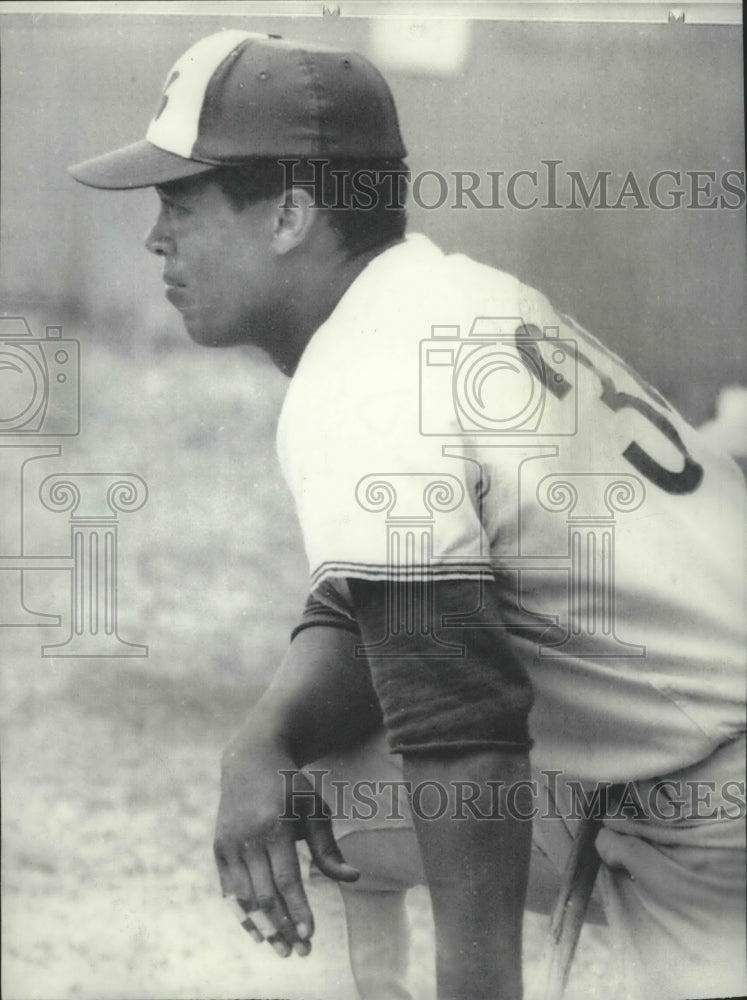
323 281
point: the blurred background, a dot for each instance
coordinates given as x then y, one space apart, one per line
665 287
110 765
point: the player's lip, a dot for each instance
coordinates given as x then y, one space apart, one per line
175 292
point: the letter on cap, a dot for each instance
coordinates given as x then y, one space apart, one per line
176 124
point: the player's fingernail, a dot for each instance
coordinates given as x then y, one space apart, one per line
281 948
302 948
303 930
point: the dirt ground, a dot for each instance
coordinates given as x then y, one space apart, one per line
109 890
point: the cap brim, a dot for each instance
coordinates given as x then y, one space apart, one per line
137 166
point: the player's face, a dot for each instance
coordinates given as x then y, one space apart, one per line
219 267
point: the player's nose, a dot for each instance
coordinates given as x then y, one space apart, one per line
157 240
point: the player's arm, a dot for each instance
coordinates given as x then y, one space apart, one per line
461 723
320 699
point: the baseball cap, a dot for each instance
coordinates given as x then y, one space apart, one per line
237 95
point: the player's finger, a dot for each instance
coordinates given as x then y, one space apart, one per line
240 910
302 948
286 874
252 931
262 923
325 852
272 936
269 905
233 875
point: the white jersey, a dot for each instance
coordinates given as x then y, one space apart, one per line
447 422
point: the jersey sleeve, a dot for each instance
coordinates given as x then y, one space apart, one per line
376 498
317 612
454 687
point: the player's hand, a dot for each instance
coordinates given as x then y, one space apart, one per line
262 814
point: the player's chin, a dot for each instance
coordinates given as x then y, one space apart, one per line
203 330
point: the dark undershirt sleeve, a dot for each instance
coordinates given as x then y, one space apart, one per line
316 612
477 699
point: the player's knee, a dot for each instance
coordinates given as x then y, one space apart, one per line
386 859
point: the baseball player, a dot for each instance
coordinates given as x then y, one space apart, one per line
522 559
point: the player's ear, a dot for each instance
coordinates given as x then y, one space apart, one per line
293 220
